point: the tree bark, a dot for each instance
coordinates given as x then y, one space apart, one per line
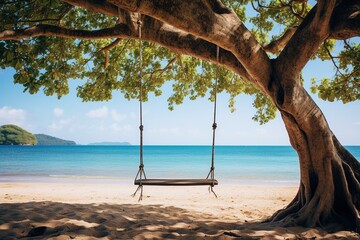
329 191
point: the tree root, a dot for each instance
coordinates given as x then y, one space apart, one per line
313 214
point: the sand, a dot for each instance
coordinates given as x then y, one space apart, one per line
107 211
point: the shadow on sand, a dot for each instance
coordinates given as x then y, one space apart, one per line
53 220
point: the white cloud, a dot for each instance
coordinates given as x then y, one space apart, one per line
98 113
60 125
65 121
54 126
58 112
117 117
10 115
125 128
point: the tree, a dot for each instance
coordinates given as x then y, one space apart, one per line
49 42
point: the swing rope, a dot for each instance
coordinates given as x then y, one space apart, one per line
214 126
141 170
141 127
140 178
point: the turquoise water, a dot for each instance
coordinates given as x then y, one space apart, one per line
233 164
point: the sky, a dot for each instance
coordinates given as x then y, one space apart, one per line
189 124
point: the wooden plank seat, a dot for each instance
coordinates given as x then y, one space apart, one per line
176 182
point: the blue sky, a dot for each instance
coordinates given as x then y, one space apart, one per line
190 123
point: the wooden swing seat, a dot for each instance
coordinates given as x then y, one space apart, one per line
176 182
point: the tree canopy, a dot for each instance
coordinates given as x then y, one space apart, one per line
92 43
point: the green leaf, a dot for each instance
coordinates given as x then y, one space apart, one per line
9 56
331 97
323 95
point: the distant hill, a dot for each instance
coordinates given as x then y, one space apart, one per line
43 139
110 143
15 135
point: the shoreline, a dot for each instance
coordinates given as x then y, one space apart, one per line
70 179
74 191
107 211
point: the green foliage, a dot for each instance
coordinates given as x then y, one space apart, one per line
26 13
14 135
238 6
48 63
43 139
345 86
272 18
123 71
265 109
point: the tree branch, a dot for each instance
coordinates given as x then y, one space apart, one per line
106 51
323 15
118 31
183 43
166 35
111 45
153 30
279 44
38 20
299 15
325 20
307 39
345 22
161 71
103 7
281 6
225 30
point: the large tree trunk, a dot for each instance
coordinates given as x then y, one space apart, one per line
329 191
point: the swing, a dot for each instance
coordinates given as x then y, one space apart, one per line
141 179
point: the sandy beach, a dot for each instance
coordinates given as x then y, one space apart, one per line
107 211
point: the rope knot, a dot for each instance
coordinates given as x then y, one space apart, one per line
214 126
139 23
141 127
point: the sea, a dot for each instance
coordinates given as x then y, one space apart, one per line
240 165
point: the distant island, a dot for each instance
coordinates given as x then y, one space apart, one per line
110 143
11 134
14 135
43 139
